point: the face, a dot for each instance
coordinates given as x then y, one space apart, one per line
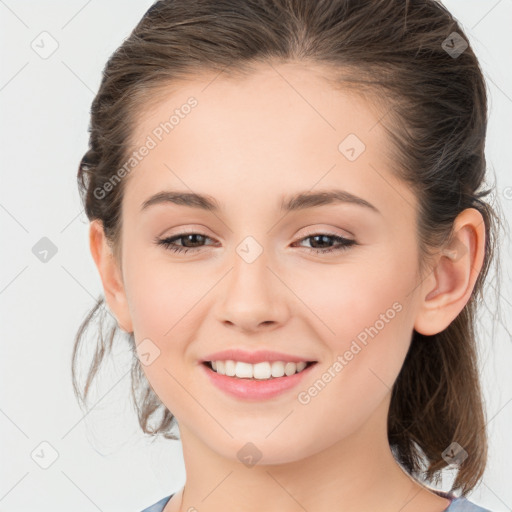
256 275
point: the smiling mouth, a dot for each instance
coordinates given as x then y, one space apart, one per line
258 372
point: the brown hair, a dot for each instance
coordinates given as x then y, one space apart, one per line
434 107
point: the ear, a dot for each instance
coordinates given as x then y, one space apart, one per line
449 285
111 276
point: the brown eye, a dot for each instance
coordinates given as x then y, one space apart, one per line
321 239
194 239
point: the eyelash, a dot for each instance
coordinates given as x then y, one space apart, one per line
345 243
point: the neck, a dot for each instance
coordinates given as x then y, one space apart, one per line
357 474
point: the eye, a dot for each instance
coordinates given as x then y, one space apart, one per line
192 238
196 239
322 238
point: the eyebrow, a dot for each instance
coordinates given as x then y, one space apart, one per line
299 201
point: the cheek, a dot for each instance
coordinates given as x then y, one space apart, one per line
346 300
365 324
166 305
161 295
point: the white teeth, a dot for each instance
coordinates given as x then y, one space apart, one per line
301 366
290 368
242 370
229 368
261 371
277 369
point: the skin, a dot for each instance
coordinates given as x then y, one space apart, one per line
248 143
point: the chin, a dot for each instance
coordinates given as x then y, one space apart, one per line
258 450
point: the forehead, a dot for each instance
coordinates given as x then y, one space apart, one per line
279 129
289 96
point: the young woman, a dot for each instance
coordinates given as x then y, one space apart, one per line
287 216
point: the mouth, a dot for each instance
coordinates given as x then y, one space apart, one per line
266 370
259 381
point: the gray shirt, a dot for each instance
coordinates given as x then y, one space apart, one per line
456 505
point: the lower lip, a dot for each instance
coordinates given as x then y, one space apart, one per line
255 389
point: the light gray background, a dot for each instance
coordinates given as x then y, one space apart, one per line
104 463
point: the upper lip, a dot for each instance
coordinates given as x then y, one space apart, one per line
258 356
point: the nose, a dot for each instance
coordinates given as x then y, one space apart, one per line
254 296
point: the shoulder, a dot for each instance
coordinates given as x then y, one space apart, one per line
159 505
464 505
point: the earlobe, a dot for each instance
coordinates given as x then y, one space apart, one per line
448 288
110 275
